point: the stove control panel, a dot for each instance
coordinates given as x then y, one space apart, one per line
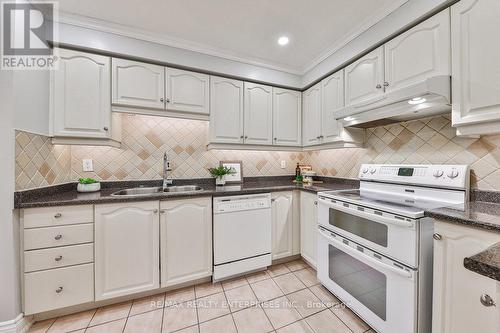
452 176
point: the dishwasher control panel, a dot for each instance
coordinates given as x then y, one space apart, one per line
242 202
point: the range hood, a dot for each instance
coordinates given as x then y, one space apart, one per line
423 99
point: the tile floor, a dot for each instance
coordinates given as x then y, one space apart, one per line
286 298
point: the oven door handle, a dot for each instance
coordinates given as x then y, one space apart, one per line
356 254
372 217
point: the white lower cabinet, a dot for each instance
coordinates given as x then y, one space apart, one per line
126 248
457 291
186 240
308 226
282 224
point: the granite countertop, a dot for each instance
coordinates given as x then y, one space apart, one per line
486 263
66 194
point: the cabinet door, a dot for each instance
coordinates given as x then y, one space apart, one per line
364 79
138 84
308 227
186 240
226 110
80 95
258 114
311 115
419 53
282 224
187 91
457 291
476 63
332 99
126 249
287 116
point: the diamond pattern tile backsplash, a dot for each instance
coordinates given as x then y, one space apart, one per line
146 138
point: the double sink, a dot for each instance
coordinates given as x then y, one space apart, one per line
145 191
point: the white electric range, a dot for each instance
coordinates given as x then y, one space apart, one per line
375 245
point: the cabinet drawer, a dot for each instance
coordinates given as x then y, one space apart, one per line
58 288
56 216
58 236
57 257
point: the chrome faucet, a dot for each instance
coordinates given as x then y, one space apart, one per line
167 180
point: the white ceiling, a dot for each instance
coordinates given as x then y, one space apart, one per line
245 30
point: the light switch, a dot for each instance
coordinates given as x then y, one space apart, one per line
88 165
283 164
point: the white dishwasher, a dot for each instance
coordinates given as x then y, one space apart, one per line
242 234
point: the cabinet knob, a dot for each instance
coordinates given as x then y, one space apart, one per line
315 203
437 236
58 237
241 137
58 215
58 258
386 84
378 86
162 211
106 129
275 139
273 200
246 137
162 100
486 300
155 211
321 136
59 290
168 100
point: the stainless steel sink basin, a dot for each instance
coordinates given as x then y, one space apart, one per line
145 191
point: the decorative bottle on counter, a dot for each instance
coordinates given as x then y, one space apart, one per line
298 176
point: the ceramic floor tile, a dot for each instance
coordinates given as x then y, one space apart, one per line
41 326
326 322
179 316
252 320
350 319
72 322
266 290
211 307
289 283
146 304
234 283
307 276
110 327
296 265
306 302
223 324
297 327
258 276
325 295
192 329
145 322
205 289
111 312
280 312
179 296
278 270
240 298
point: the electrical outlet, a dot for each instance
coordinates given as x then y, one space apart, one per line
87 165
283 164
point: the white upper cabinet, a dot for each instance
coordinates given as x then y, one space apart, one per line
364 79
258 111
138 84
332 99
187 91
282 224
126 249
80 100
475 27
311 120
226 105
287 117
419 53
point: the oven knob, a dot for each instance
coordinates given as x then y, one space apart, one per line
453 174
373 170
438 173
365 170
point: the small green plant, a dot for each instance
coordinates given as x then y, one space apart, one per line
87 181
221 171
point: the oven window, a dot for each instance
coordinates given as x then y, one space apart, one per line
366 284
364 228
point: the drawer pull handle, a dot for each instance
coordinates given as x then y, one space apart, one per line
58 237
59 290
58 215
486 300
58 258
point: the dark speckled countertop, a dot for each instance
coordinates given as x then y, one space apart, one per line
486 263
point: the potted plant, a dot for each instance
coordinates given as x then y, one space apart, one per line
88 185
219 173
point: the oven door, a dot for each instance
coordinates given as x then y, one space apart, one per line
379 290
391 235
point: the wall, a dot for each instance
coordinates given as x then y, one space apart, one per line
426 141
